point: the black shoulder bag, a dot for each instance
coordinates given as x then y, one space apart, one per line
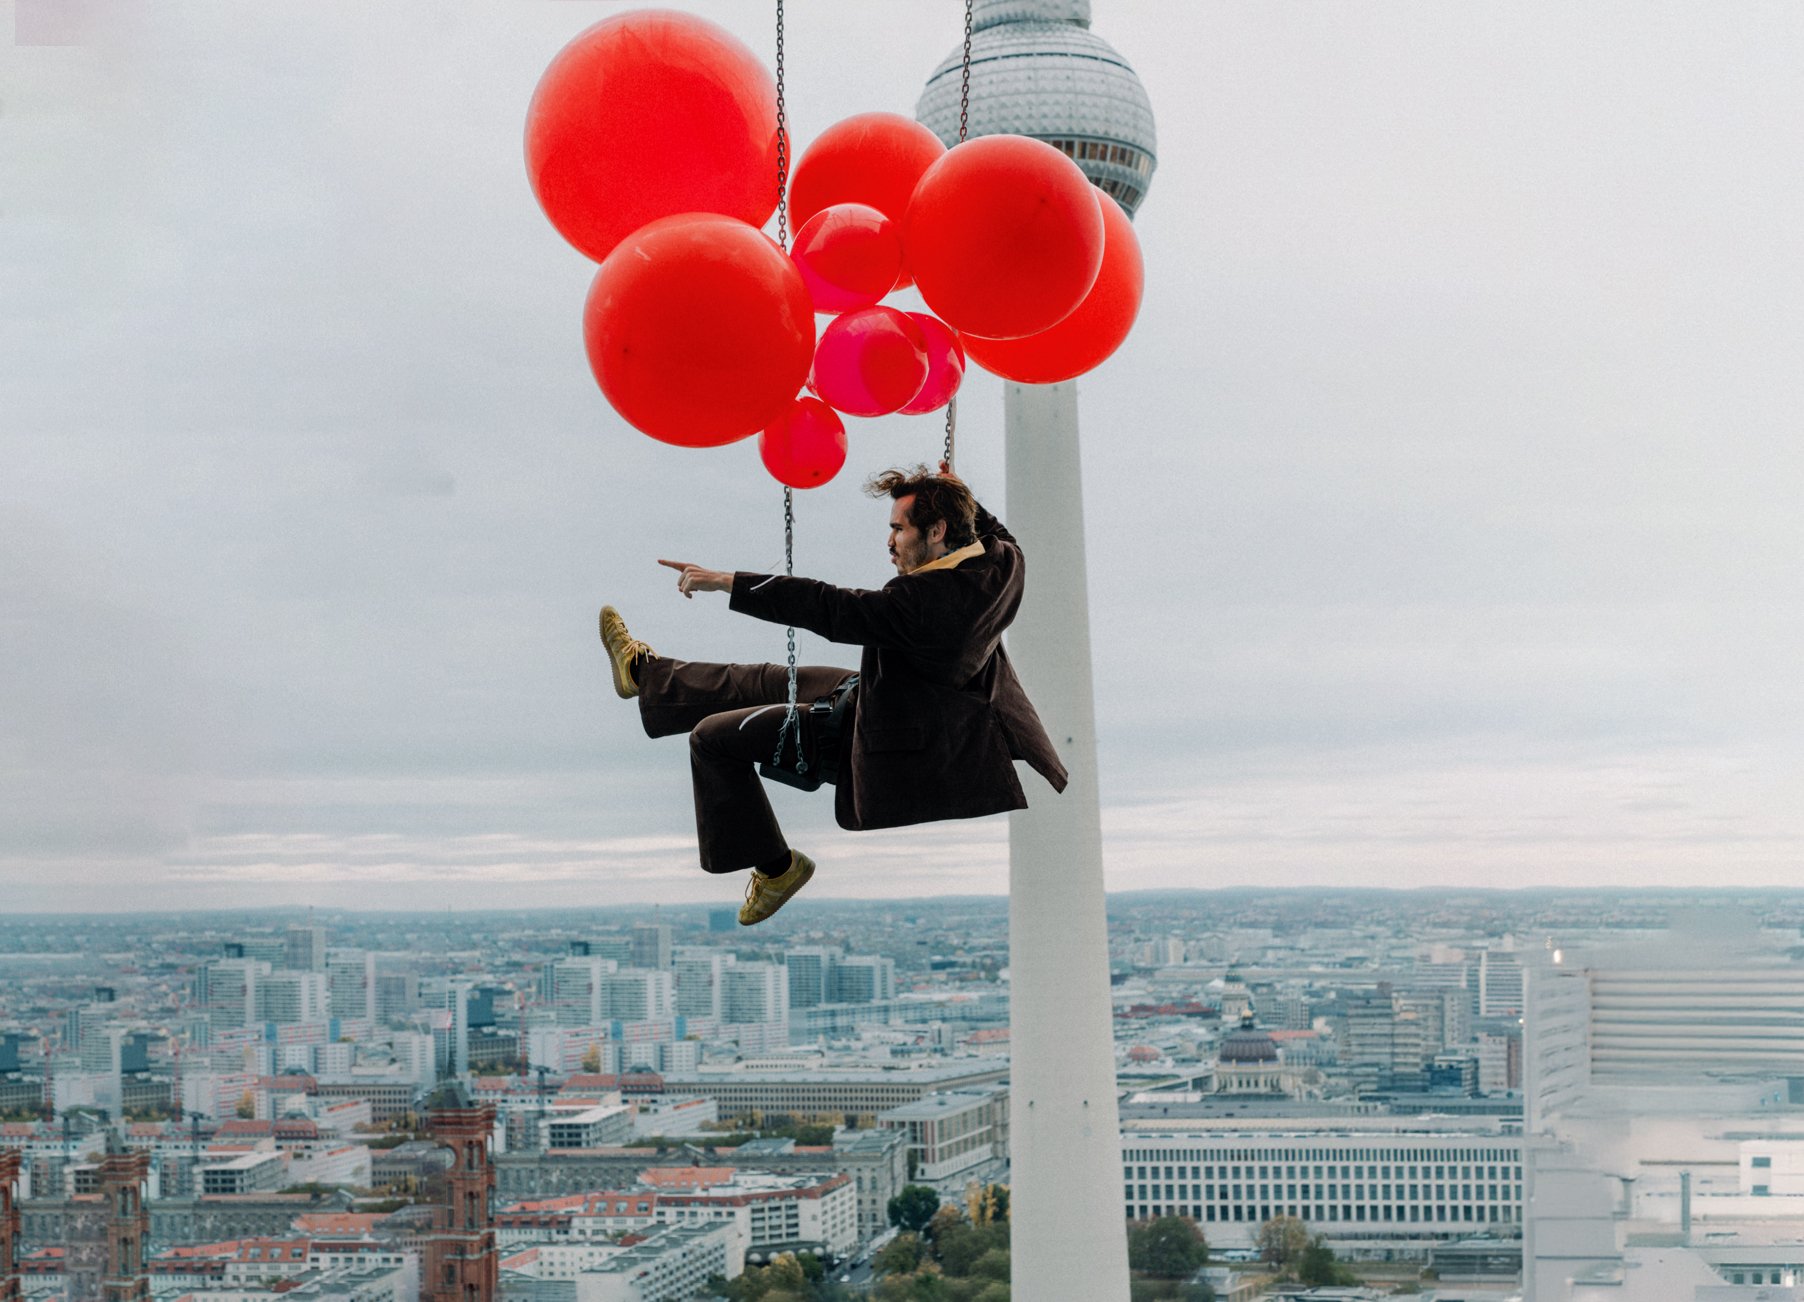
819 726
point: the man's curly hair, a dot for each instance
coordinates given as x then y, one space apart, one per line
936 498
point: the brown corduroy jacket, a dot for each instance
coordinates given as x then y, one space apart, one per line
940 715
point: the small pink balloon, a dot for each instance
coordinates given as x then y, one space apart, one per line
945 365
806 446
869 362
849 255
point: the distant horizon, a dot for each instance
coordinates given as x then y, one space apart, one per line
1725 893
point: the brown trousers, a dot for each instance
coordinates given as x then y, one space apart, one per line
733 714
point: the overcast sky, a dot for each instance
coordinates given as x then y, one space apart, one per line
1443 509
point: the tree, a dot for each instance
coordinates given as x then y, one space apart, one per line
994 1264
592 1058
1281 1241
1170 1247
902 1255
1317 1265
913 1207
986 1203
247 1106
948 1220
957 1246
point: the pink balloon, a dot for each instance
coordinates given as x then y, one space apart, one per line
806 446
870 361
945 365
849 256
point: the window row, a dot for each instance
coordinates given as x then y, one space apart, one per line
1331 1192
1320 1213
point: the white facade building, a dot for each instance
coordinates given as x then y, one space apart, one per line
754 993
289 997
698 978
1659 1086
1395 1187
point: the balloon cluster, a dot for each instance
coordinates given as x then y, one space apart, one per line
651 143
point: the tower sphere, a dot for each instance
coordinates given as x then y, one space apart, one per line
1038 70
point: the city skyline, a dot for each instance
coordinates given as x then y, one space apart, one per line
1444 488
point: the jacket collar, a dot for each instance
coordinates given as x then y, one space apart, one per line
951 560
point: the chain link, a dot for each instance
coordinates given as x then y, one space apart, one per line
790 719
964 85
782 144
964 130
789 714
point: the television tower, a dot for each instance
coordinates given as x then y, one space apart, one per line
1037 70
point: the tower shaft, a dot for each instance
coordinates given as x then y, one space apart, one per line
1065 1207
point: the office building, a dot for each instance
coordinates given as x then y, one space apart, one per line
753 993
651 945
864 979
955 1136
351 984
1379 1192
293 996
1662 1131
305 949
811 969
698 980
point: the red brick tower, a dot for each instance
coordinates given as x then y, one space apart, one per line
9 1226
462 1262
122 1176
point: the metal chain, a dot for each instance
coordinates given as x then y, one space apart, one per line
964 129
790 718
964 86
789 714
782 144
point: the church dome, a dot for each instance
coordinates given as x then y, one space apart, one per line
1248 1044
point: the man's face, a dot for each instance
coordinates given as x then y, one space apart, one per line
909 548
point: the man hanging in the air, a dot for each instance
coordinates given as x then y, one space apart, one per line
939 712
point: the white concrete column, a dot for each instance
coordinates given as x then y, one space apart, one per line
1068 1230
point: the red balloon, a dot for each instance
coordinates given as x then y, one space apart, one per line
699 329
869 158
1087 337
807 445
945 365
870 361
648 114
1003 236
849 255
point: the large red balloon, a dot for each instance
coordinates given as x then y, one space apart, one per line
869 158
849 255
870 361
1003 236
807 445
1087 337
699 329
648 114
945 365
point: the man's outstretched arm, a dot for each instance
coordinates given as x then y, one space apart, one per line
692 579
885 617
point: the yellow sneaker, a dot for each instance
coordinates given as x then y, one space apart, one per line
765 895
624 652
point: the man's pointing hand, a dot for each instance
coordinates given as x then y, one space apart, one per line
692 579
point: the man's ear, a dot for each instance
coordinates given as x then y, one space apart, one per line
936 533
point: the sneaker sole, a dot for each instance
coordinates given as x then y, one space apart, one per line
790 894
624 687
